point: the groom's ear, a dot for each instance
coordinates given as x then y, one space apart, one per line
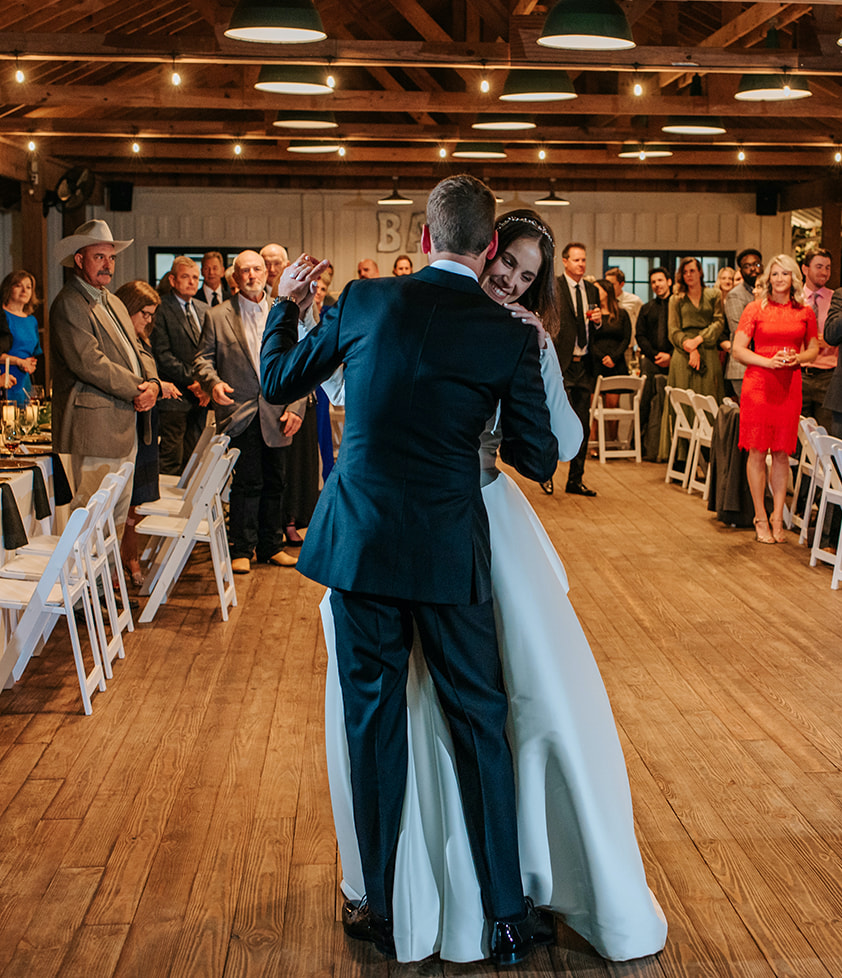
426 240
491 251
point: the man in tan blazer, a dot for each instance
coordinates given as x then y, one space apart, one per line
227 366
102 377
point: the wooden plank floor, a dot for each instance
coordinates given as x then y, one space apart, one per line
184 830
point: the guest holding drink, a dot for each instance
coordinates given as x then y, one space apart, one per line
19 360
785 336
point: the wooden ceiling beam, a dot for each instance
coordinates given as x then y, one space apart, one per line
523 50
91 97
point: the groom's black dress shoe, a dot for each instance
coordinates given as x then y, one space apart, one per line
579 489
363 924
511 943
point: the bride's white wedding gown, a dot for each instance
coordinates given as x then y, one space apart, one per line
578 851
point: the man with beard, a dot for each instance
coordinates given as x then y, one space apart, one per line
656 353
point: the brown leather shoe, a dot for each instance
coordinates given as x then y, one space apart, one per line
282 559
241 565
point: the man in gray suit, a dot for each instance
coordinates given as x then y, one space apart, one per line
175 339
227 366
102 377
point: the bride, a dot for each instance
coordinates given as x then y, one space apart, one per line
579 855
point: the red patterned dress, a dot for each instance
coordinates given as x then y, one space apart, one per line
770 401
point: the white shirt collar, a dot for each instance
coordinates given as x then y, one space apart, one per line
446 265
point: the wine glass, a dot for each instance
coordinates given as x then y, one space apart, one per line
27 417
11 430
788 353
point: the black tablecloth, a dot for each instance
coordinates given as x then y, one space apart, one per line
14 535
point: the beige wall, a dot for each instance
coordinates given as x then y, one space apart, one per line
349 226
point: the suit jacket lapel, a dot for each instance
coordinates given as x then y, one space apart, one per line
103 317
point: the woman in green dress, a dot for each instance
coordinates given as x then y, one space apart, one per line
695 325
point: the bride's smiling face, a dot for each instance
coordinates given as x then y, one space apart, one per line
512 270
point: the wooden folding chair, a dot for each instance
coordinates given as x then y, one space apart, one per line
683 429
599 411
706 410
205 523
40 603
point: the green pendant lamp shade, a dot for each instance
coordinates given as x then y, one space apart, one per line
541 85
287 119
288 22
772 88
503 123
479 151
587 25
292 80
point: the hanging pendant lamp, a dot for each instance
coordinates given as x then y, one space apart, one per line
479 151
287 22
541 85
587 25
292 80
395 199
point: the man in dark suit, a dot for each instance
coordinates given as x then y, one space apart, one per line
227 366
175 339
833 337
579 313
401 536
214 290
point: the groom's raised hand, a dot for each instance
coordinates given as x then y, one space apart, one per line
298 280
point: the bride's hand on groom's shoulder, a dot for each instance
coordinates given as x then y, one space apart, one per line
533 319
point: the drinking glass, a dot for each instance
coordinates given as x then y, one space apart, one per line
789 353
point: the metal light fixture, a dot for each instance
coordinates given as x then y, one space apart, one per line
695 124
394 199
313 146
479 151
287 119
552 199
20 77
595 25
783 87
504 123
642 151
175 77
292 80
541 85
287 22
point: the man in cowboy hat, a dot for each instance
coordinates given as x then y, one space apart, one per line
102 377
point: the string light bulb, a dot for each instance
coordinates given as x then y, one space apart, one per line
741 156
542 154
330 81
484 85
341 151
31 146
20 77
175 77
838 156
238 149
442 152
135 147
637 88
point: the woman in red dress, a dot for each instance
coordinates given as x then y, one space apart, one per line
784 335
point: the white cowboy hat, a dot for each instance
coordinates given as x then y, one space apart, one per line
89 233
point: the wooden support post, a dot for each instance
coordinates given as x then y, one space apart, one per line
832 238
34 259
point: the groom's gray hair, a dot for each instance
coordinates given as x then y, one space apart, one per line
460 215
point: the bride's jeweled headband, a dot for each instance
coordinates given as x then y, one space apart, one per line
528 220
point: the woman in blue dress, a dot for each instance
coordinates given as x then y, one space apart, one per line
579 854
17 293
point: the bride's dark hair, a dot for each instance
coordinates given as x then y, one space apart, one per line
541 296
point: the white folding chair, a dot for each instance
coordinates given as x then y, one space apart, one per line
804 469
176 485
706 409
39 604
173 500
829 456
617 385
683 429
816 480
205 523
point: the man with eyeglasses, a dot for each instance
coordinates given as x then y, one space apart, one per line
175 340
102 377
750 264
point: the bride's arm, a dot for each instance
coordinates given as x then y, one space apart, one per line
566 426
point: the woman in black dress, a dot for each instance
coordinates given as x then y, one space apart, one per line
142 301
608 347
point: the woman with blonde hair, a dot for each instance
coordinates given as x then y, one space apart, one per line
784 335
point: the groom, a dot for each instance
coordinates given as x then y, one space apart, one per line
400 533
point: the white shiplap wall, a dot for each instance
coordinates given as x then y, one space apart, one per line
344 226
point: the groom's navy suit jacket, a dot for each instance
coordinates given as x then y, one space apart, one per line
427 358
